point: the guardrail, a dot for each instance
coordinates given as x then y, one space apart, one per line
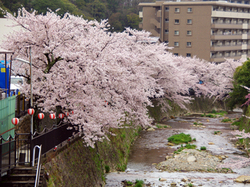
18 149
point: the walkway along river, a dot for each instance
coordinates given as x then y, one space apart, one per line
152 147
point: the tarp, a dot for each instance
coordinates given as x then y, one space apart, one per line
3 72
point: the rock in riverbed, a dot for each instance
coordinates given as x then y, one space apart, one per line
192 160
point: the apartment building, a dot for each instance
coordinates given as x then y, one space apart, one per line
210 30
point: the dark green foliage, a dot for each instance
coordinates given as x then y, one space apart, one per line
188 146
203 148
241 77
121 13
139 183
180 138
107 169
226 120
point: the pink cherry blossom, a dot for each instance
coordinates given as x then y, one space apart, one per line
78 64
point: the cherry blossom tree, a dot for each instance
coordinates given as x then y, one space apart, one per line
107 79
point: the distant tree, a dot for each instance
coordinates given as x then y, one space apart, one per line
97 9
115 22
133 20
241 78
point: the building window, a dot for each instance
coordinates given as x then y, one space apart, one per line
176 32
166 20
176 21
188 54
166 31
189 32
189 21
189 10
176 44
175 54
188 44
177 10
166 9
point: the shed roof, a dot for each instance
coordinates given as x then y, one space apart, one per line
3 51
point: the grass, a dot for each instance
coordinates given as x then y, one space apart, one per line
237 123
203 148
190 184
180 138
188 146
161 126
139 183
107 169
226 120
196 123
216 132
214 114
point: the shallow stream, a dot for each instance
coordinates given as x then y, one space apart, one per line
151 148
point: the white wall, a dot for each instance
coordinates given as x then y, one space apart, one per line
4 29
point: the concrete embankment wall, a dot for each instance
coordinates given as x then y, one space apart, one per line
76 165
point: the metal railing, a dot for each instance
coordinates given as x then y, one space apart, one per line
7 154
38 168
19 149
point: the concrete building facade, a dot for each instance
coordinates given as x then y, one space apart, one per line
210 30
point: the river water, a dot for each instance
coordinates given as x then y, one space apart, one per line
151 148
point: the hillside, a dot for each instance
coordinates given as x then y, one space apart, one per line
121 13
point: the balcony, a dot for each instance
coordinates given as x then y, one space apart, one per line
155 33
220 58
218 25
224 14
226 47
226 36
155 22
158 14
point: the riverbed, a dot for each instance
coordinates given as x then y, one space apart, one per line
151 148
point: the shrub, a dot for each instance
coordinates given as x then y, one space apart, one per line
203 148
241 77
188 146
226 120
107 169
180 138
216 132
139 183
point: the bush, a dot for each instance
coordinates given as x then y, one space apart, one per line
226 120
139 183
241 77
188 146
107 169
180 138
216 132
203 148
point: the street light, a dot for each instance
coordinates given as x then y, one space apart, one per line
31 88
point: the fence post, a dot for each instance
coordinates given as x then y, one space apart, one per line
23 106
1 158
31 148
18 104
9 153
15 149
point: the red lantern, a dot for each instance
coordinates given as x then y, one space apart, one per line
31 111
40 115
15 121
67 113
61 116
52 116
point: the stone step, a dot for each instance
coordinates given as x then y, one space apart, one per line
27 183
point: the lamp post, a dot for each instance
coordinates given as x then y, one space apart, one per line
31 88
